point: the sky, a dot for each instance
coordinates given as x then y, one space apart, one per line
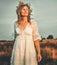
44 12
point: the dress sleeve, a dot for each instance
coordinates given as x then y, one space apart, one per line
15 30
36 34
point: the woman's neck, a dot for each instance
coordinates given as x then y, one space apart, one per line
24 20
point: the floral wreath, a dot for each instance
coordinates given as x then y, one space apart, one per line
22 3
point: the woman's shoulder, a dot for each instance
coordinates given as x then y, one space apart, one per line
33 22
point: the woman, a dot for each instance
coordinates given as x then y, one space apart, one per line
27 39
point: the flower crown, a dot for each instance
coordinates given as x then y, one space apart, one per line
20 3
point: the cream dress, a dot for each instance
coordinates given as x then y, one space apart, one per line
24 52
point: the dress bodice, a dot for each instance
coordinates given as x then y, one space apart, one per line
27 30
30 29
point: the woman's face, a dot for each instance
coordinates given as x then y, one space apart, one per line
25 11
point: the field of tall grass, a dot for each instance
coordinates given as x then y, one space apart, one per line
48 52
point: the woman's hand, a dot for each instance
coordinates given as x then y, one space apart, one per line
39 57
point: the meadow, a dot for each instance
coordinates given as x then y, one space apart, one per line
48 52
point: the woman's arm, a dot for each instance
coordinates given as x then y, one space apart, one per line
36 38
37 45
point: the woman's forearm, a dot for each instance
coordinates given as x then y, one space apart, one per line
37 45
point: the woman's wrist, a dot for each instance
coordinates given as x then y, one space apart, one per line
39 53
